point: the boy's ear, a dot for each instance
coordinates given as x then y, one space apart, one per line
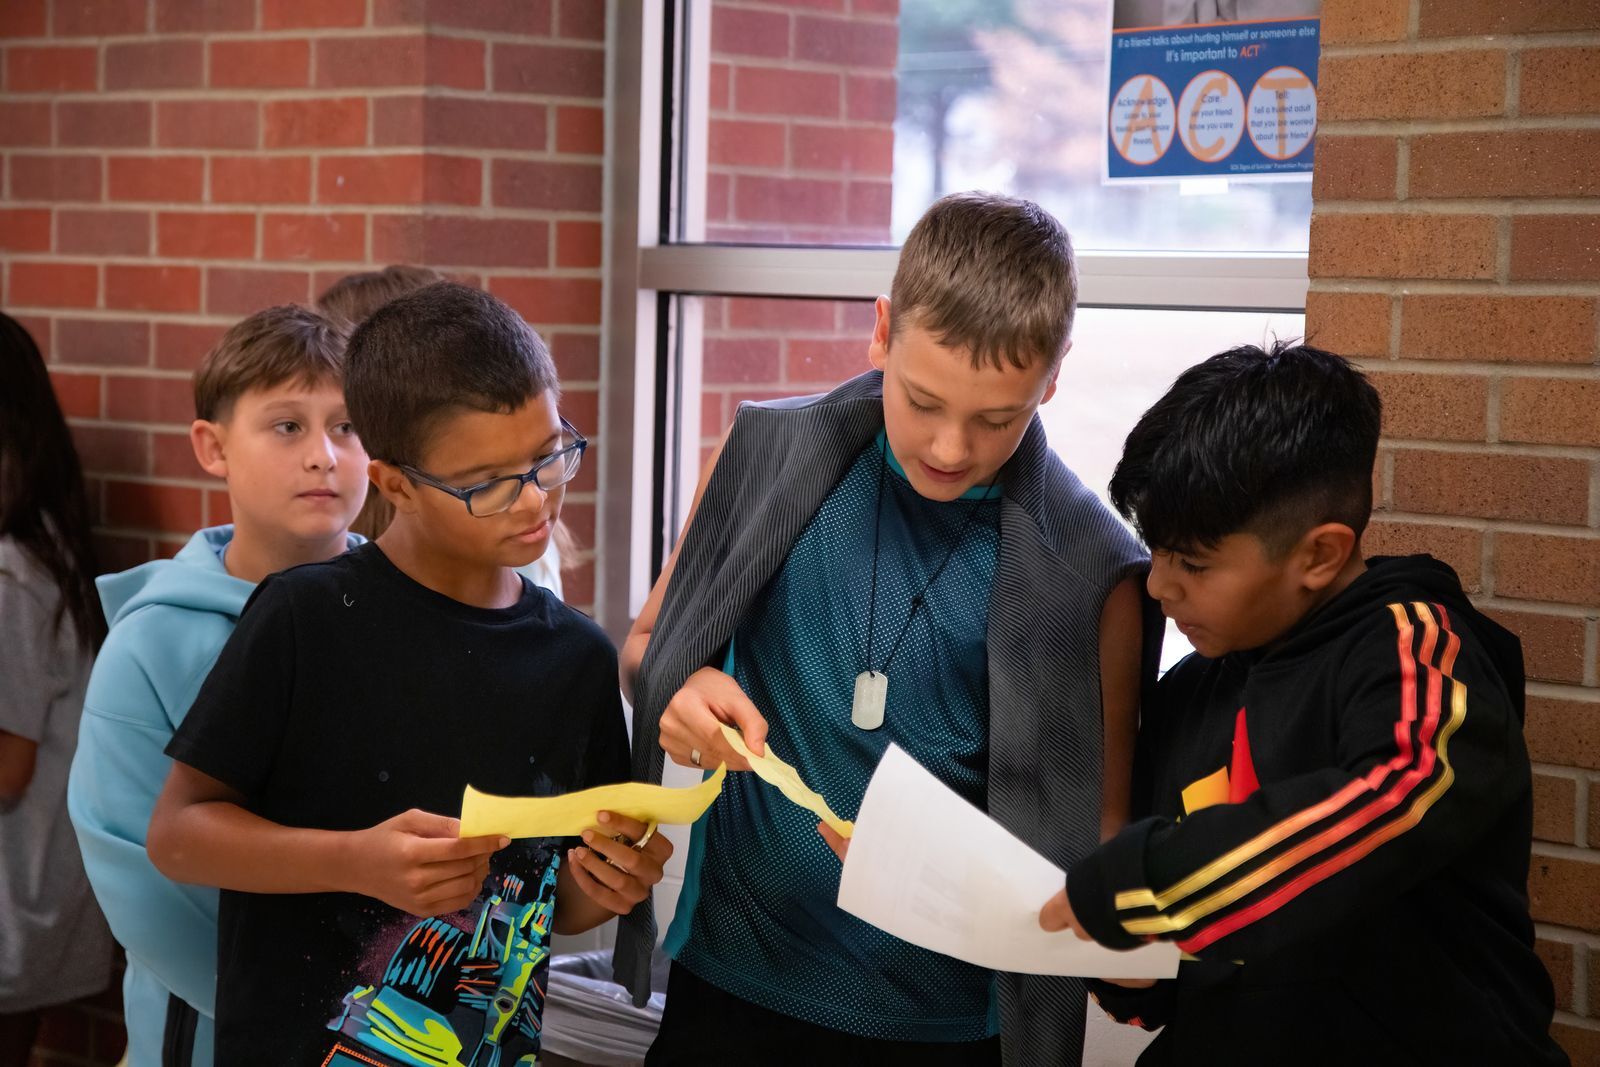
392 482
878 350
207 439
1324 551
1055 375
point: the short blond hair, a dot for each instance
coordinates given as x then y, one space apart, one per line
286 343
990 274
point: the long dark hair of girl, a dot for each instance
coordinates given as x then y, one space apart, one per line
42 502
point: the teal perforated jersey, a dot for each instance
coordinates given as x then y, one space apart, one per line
758 916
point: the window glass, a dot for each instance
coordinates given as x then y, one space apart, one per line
841 126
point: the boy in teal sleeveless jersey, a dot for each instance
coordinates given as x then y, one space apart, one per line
910 526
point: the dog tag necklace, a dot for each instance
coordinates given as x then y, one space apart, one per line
872 686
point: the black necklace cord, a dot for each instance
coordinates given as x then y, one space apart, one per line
918 600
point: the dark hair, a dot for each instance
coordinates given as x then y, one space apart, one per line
353 298
43 506
1269 442
281 344
440 348
991 274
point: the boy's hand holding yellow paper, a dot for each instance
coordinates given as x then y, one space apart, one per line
775 772
572 813
483 814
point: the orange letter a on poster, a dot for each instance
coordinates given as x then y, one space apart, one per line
1143 117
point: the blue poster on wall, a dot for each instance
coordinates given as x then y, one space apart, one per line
1219 99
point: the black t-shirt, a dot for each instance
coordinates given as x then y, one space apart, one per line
348 694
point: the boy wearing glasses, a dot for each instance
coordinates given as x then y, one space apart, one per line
358 697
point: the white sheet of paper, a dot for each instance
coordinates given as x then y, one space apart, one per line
931 869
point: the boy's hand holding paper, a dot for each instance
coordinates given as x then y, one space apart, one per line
572 813
692 723
981 904
617 872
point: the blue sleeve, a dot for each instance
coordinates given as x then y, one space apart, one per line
117 773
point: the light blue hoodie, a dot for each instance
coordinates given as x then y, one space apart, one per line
169 620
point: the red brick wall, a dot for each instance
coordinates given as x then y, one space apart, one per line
800 150
172 165
1454 248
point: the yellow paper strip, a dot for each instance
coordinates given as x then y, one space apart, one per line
483 814
775 772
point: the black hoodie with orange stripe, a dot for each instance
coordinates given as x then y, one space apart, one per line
1337 828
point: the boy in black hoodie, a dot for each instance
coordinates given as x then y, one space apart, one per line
1335 789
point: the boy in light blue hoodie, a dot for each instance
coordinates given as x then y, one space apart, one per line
271 421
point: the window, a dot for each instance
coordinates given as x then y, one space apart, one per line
782 152
839 127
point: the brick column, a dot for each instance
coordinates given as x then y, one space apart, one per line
1455 248
173 165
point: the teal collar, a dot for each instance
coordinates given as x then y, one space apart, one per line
977 492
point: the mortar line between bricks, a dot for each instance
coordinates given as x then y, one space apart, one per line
1594 496
1513 99
165 536
788 7
1577 1022
1453 287
1580 983
1591 653
1566 935
219 320
1510 526
1562 691
1423 367
1551 850
1557 770
1433 207
1525 449
309 266
385 212
1402 168
1425 127
301 207
1550 609
1580 811
1491 405
272 94
1413 20
523 96
1499 42
1502 241
481 153
1486 570
318 33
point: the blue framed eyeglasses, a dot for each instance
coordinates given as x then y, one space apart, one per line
497 495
